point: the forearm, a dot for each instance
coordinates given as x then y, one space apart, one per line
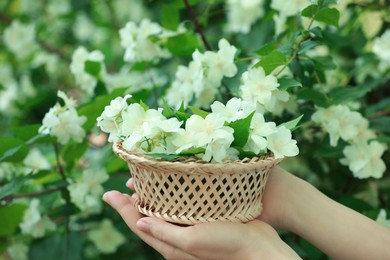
335 229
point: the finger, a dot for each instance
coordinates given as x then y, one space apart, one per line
173 235
124 205
130 183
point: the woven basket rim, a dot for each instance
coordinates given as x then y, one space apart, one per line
193 165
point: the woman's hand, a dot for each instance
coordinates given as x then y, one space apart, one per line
219 240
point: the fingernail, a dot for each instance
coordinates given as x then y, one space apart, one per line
143 226
128 182
106 197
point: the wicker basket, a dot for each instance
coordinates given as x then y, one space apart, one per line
193 191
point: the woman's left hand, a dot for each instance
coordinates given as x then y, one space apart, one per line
218 240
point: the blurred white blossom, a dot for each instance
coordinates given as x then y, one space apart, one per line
86 81
136 41
63 122
36 161
340 122
382 218
34 223
86 192
381 47
364 159
18 251
202 78
106 237
289 8
241 15
371 22
20 39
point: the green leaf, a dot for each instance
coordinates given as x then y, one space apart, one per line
12 187
143 105
192 151
116 164
381 124
54 247
306 45
327 151
92 67
329 16
198 111
170 17
347 94
292 124
167 110
324 63
382 139
382 105
310 11
241 130
72 152
182 116
12 150
271 61
314 96
10 217
286 83
233 83
322 14
163 156
184 44
267 48
316 32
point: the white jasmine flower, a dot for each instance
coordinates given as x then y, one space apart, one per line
217 148
382 218
86 191
135 39
34 223
182 139
257 87
18 251
20 39
204 130
64 122
364 159
86 81
281 144
289 8
106 238
258 132
231 112
242 15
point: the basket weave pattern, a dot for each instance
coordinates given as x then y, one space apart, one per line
193 191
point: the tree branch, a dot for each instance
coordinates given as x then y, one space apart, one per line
198 27
10 198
